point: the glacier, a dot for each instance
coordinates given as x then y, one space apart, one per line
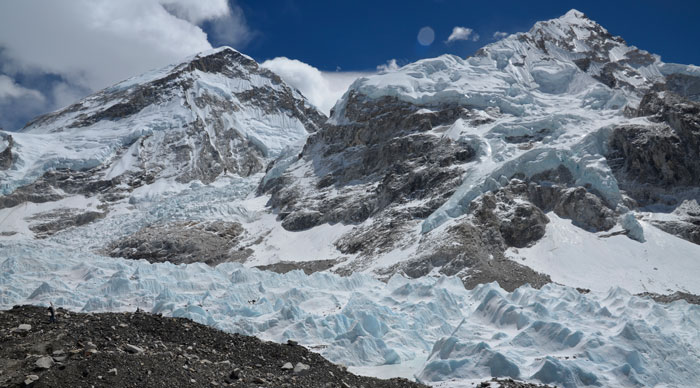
431 328
444 333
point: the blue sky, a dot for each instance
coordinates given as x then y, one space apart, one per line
54 53
359 34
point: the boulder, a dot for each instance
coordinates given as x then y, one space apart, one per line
300 368
133 349
44 363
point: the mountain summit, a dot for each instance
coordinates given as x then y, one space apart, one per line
213 114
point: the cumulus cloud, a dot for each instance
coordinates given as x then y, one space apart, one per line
322 89
462 33
10 90
196 11
90 44
17 103
390 65
500 35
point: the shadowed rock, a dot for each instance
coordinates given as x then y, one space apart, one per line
183 242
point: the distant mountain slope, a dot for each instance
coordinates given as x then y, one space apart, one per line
215 113
447 163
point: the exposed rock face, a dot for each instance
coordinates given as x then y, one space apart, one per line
686 222
53 222
55 184
183 242
472 252
308 267
659 164
666 155
386 156
585 210
519 223
6 154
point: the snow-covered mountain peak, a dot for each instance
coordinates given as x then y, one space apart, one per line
448 147
214 113
221 71
574 21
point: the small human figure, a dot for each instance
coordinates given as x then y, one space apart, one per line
52 312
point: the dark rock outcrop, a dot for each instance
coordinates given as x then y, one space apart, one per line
384 157
519 223
585 209
6 154
183 242
665 155
56 221
686 224
472 252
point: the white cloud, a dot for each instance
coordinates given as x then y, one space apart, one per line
18 103
196 11
90 44
500 35
322 89
95 43
10 90
390 65
231 29
462 33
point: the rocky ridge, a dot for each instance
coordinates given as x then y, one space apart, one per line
137 349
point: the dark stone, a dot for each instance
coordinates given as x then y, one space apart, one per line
526 225
586 210
6 154
651 160
301 220
183 242
62 219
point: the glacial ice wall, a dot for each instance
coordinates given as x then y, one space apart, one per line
554 335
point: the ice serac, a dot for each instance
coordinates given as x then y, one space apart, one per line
432 327
447 163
